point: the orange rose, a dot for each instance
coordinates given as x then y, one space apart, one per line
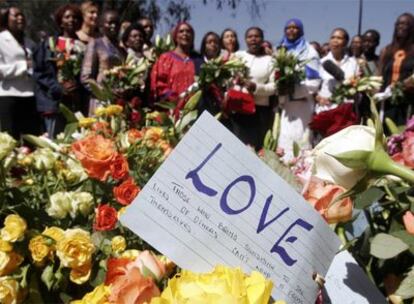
320 195
408 220
101 127
116 267
119 167
126 192
96 153
147 260
134 135
106 218
133 288
165 147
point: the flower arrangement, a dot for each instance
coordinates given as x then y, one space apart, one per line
68 59
351 87
289 70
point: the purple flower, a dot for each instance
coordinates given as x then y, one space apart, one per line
394 143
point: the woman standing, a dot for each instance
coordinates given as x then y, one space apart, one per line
336 58
17 104
229 42
173 73
102 53
251 129
134 38
397 66
298 107
89 29
52 87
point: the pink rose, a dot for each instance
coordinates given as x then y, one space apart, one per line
408 220
147 260
408 149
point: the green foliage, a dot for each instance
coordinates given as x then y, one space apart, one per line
385 246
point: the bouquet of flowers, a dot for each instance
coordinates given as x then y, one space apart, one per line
289 70
68 59
352 86
127 78
162 45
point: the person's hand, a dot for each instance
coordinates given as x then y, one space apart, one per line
323 101
251 86
68 86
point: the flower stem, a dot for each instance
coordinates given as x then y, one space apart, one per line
381 162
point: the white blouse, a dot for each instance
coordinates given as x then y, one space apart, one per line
261 72
15 76
348 65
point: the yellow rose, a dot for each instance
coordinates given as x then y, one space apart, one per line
39 248
113 110
101 111
118 244
81 275
54 232
131 254
5 246
9 291
153 135
86 122
98 296
223 285
14 228
9 261
75 249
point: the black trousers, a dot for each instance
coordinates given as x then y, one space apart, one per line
251 129
18 116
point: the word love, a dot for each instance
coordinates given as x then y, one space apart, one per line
201 187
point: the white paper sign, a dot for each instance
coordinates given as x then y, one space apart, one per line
213 201
346 283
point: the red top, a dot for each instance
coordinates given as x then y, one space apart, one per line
64 44
172 75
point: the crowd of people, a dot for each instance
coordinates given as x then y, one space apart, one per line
31 89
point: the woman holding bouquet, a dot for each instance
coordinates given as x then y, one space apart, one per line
17 104
298 106
102 53
251 128
173 73
397 68
56 70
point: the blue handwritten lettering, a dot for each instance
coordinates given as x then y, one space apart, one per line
223 201
193 174
262 225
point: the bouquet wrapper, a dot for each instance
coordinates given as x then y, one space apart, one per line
240 102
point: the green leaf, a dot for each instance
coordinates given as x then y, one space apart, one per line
99 278
385 246
40 142
406 288
407 238
368 197
186 120
99 92
48 277
392 127
67 113
193 101
34 296
296 149
356 159
166 105
70 129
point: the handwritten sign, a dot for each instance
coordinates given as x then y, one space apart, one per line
346 283
213 201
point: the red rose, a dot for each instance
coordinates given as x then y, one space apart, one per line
240 102
135 102
106 218
135 116
277 75
332 121
126 192
120 102
119 167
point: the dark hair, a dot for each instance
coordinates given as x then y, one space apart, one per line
374 33
107 12
204 40
407 45
129 29
256 28
237 47
346 35
4 17
58 15
145 18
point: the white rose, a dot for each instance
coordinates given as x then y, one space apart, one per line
60 205
351 138
75 168
44 159
82 202
7 144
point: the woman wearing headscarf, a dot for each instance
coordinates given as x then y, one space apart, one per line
102 53
17 103
397 67
51 88
173 73
297 108
251 128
